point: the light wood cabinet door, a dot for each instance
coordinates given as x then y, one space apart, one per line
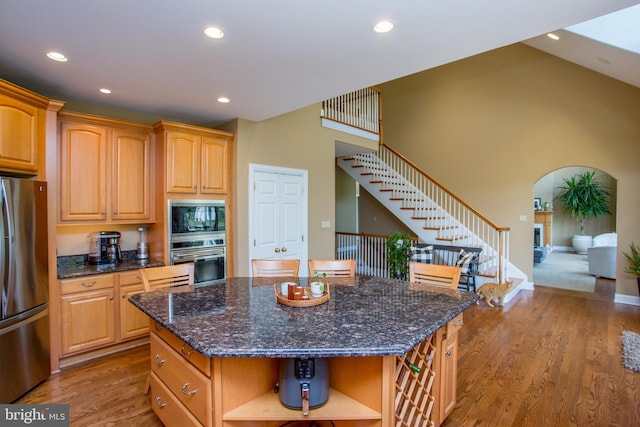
449 373
83 172
18 135
88 320
183 151
131 171
214 157
133 322
105 171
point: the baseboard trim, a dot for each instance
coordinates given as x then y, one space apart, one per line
75 359
626 299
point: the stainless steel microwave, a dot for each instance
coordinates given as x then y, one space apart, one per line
190 217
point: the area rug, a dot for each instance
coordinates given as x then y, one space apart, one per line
566 270
631 350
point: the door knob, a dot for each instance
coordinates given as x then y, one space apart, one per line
277 250
283 249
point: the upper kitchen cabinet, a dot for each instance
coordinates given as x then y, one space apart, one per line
22 130
105 170
197 159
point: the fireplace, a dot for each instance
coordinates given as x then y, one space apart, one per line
538 232
539 249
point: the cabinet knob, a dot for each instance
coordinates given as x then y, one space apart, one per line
204 187
124 296
103 212
284 249
115 212
111 298
276 250
448 353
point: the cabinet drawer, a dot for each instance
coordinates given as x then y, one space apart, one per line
86 283
188 384
167 407
130 277
454 325
197 359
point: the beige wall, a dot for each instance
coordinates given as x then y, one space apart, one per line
488 127
374 218
346 203
293 140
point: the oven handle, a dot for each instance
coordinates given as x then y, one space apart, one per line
195 258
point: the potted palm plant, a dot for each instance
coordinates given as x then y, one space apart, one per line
398 254
633 262
584 198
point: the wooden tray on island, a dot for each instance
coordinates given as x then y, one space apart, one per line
312 301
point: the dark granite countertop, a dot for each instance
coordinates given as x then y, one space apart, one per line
78 265
366 316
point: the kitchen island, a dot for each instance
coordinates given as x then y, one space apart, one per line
216 351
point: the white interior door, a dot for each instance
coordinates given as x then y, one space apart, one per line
278 214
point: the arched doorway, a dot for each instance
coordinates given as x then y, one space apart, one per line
556 264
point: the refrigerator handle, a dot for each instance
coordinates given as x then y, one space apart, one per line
3 249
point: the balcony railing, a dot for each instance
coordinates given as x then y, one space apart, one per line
360 109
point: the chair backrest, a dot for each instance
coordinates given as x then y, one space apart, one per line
333 267
154 278
434 274
275 267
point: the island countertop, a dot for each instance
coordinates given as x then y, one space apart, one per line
365 316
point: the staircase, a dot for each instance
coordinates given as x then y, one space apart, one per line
432 212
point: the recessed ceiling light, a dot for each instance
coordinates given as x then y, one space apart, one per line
56 56
383 27
223 100
214 32
553 36
105 90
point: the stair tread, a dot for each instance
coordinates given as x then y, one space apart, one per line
451 238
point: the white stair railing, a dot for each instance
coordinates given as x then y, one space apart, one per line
369 251
359 109
449 217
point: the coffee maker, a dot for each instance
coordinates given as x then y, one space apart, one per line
104 247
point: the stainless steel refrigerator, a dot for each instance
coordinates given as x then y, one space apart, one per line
24 309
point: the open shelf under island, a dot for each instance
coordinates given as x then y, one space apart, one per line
391 348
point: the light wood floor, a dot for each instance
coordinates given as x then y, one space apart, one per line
550 358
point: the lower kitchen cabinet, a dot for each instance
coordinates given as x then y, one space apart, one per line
178 388
133 322
446 364
417 388
95 312
87 313
167 406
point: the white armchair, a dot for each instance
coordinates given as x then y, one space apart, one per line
602 256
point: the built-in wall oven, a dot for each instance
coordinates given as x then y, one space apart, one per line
197 234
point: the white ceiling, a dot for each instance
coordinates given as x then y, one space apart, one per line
276 56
